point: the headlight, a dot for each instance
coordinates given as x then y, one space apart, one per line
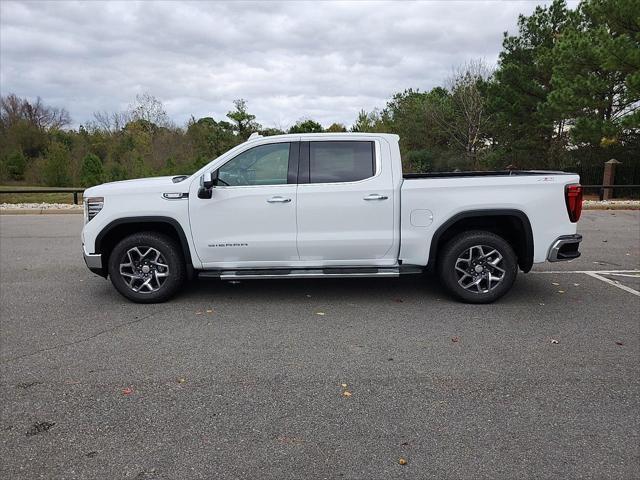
92 207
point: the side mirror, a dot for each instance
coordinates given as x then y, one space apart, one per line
207 180
206 184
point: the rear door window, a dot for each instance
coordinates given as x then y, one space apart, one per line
341 161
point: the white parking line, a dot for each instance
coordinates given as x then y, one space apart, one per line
612 272
614 283
598 275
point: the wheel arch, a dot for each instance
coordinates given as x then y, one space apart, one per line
511 224
115 231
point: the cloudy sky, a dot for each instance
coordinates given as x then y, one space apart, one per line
290 60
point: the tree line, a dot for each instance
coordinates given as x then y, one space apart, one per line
565 93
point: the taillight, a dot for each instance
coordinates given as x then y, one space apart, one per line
573 198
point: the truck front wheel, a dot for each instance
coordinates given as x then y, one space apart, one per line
147 267
478 266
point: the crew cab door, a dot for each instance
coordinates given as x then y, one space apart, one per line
250 219
345 204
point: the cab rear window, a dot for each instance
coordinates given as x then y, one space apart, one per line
341 161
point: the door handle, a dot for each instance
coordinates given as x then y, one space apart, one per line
375 196
278 199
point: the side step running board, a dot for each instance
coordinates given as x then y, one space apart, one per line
304 273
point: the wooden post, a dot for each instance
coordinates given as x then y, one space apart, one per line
75 198
609 178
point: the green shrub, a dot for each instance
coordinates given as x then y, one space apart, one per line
56 166
15 165
91 171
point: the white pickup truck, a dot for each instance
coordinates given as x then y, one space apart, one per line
328 205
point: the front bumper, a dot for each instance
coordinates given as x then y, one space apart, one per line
565 248
94 263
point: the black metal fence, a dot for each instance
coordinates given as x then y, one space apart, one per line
627 179
75 191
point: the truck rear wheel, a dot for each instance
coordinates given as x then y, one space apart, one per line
478 266
147 267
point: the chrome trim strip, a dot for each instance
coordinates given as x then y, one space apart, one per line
175 196
311 273
561 241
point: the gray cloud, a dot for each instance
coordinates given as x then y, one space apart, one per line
289 60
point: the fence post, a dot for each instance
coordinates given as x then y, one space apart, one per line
75 198
609 178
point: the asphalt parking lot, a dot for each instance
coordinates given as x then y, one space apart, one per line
248 380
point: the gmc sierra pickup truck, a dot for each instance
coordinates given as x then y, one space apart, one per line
328 205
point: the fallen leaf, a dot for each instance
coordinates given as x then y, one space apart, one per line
344 385
320 313
39 427
346 393
198 313
182 380
209 311
560 291
620 343
455 339
576 284
290 440
127 391
402 461
554 341
556 284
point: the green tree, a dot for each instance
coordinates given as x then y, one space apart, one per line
524 129
244 123
210 138
16 164
596 75
91 171
306 126
336 128
407 115
365 121
462 113
116 172
270 131
56 166
420 161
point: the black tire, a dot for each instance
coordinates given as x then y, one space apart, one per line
459 249
172 264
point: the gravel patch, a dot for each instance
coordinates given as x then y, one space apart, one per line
39 206
611 204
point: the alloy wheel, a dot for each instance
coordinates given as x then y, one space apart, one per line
479 269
